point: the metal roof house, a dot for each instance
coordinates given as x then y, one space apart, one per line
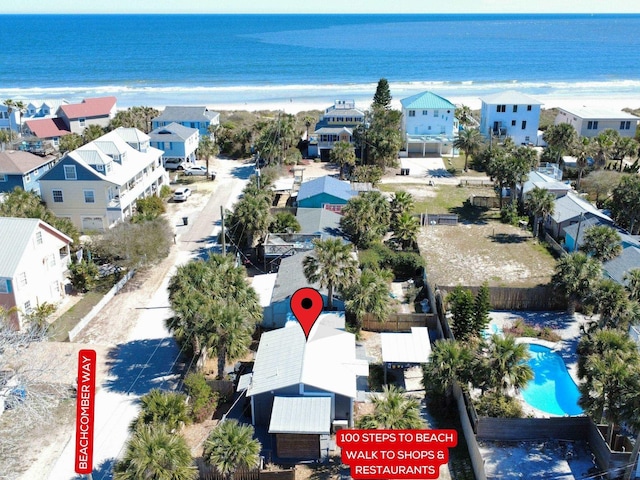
617 267
300 389
570 209
323 191
590 121
33 265
176 141
198 117
428 124
510 114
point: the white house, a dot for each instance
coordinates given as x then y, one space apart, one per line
97 185
510 114
336 125
589 122
33 264
428 124
43 108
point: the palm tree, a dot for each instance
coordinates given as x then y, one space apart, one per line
393 411
583 150
369 294
366 218
215 308
540 202
154 453
632 279
207 148
602 242
605 143
6 136
400 203
469 141
575 275
332 265
10 104
507 365
162 409
609 365
231 446
91 133
70 142
308 121
252 218
284 222
464 115
451 361
344 155
406 230
560 138
611 302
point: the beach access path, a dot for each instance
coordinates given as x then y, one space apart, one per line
144 354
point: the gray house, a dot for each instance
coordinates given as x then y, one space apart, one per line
200 118
617 267
570 209
303 389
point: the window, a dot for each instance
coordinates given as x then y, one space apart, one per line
524 124
425 112
89 196
38 238
625 125
70 172
4 286
436 113
100 167
50 260
82 121
527 139
35 172
513 123
3 177
592 125
27 307
22 279
515 108
27 178
57 196
412 113
528 108
501 108
167 146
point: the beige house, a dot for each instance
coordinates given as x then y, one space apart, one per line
33 263
97 185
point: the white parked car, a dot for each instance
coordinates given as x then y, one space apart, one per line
172 164
181 194
195 170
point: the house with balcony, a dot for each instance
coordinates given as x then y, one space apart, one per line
34 259
23 170
176 141
198 117
91 111
335 125
590 121
97 185
428 124
511 114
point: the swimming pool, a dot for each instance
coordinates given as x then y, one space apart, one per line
552 389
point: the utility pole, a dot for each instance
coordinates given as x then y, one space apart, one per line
224 234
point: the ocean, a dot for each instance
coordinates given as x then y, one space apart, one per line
211 59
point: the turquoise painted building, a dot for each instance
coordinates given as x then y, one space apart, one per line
324 191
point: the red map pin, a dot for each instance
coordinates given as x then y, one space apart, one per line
306 305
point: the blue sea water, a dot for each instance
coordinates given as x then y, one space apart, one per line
164 59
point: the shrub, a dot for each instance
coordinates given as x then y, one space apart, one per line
165 192
203 399
498 405
405 264
83 274
520 328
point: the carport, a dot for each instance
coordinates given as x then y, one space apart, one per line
402 350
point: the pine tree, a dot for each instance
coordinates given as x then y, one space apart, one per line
382 97
482 305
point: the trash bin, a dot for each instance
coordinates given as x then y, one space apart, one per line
185 220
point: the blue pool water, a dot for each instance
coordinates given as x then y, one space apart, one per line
552 389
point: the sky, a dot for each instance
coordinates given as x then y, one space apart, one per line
326 6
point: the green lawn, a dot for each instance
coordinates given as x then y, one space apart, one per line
60 328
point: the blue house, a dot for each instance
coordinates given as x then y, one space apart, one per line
177 142
23 169
324 191
200 118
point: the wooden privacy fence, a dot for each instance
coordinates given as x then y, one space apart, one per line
486 202
398 322
467 182
207 472
540 298
554 245
438 219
